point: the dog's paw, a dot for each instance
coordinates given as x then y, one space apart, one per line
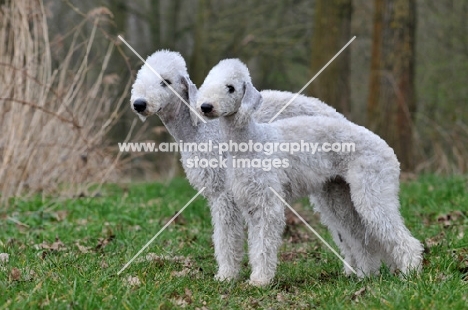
223 276
259 282
348 272
413 266
410 258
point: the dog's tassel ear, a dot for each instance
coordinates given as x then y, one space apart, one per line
249 104
252 97
191 99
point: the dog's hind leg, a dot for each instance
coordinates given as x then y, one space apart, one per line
337 212
228 236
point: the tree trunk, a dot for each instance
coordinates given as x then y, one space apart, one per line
154 22
173 20
392 104
197 60
332 30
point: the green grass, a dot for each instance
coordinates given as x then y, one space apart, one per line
113 227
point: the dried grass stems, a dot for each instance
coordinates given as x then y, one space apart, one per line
54 118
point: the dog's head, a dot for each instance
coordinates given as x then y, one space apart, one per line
226 87
161 82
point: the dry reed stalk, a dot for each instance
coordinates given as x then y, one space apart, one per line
53 121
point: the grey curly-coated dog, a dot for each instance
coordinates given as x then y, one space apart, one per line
355 192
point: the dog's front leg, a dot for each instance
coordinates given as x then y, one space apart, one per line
228 236
265 219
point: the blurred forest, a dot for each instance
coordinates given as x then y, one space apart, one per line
405 76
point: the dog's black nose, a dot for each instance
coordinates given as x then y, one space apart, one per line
139 105
206 107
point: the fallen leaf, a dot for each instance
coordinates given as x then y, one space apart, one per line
204 303
280 297
288 256
133 281
179 220
43 255
461 257
103 242
187 263
4 258
15 274
55 246
435 240
60 215
296 236
104 264
159 258
184 272
442 277
291 218
150 257
254 302
83 249
188 292
14 242
29 275
358 293
183 300
82 222
180 302
451 217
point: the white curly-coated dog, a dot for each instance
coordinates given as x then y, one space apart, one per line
151 96
356 191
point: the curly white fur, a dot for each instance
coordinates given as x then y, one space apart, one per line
356 192
228 236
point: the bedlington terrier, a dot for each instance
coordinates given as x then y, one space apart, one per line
365 222
150 95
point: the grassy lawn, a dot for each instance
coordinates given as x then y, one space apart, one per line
67 254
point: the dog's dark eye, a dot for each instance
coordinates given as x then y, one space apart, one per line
230 88
164 84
